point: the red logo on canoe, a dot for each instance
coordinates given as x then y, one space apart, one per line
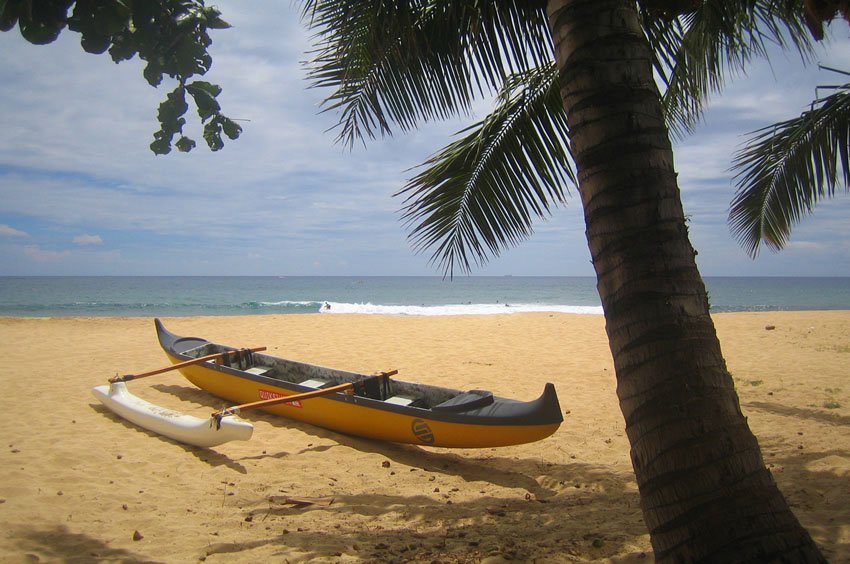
422 431
267 394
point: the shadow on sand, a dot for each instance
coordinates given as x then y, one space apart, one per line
559 529
507 475
799 412
812 481
58 544
562 509
561 512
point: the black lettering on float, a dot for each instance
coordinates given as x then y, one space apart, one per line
422 431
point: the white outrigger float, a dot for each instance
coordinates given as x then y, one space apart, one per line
172 424
182 428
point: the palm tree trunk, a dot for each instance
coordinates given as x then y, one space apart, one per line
705 493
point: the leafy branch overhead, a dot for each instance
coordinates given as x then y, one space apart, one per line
171 36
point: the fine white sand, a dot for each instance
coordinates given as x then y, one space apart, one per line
80 484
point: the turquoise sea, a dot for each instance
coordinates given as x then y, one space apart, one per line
189 296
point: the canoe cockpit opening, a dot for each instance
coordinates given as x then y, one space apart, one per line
242 359
381 388
473 399
374 387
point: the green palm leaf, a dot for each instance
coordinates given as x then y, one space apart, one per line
696 52
397 63
481 193
785 169
403 62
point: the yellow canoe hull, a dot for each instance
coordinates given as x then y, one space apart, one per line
359 421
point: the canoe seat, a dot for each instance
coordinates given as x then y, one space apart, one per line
400 400
473 399
317 384
258 370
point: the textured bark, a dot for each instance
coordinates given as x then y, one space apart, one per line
705 493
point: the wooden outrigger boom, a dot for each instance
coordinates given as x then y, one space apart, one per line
169 368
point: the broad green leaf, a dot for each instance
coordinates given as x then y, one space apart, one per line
213 19
212 89
153 73
184 144
123 47
206 103
212 135
160 146
112 17
8 14
40 33
189 57
232 129
204 94
173 107
95 44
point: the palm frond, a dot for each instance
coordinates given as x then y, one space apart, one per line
481 193
785 169
695 53
401 62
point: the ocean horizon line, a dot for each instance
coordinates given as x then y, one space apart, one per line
167 296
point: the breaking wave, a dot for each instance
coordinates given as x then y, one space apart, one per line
454 309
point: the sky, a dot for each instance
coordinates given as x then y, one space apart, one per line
82 194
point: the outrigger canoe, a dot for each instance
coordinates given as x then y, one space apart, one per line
369 406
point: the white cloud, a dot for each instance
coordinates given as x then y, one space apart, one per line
88 240
9 231
811 246
284 190
38 254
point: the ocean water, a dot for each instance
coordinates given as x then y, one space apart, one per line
190 296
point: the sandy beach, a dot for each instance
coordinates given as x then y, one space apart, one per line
80 484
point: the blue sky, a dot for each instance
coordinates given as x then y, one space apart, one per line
81 193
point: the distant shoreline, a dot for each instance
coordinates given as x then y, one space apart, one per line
406 296
388 316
